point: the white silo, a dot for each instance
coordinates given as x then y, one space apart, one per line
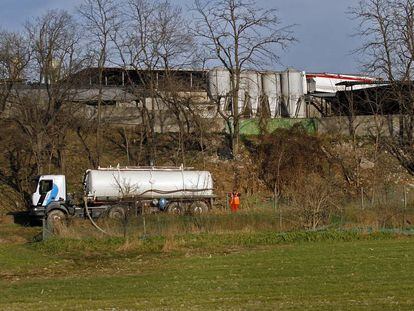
293 93
219 85
250 91
273 91
243 94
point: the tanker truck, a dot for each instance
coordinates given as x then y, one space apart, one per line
115 192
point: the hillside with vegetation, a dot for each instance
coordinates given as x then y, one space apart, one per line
326 220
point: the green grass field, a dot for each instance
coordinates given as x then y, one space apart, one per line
374 273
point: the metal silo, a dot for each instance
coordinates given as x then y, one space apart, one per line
250 91
272 89
293 93
219 84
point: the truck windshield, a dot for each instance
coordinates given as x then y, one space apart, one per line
45 186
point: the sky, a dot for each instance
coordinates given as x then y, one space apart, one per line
323 28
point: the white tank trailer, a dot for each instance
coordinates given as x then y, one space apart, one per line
117 191
115 184
293 93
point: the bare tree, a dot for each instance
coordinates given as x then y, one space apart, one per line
154 42
239 35
41 109
14 57
377 28
387 28
37 88
101 22
313 200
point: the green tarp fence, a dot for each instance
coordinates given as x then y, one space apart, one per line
256 126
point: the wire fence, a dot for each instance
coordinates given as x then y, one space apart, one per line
374 209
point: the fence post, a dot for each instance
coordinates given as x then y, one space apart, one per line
45 229
275 198
145 228
227 201
362 197
280 219
373 197
405 206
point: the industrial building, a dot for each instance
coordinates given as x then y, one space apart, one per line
289 94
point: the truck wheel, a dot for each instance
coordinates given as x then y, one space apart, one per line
174 208
56 217
116 212
198 208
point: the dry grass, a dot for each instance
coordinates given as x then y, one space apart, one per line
16 234
378 217
170 244
254 220
130 245
170 226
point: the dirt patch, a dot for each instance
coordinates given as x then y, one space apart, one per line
6 220
13 239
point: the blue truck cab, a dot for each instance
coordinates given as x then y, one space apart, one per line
50 194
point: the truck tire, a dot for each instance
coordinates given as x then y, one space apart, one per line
56 217
174 208
198 208
116 212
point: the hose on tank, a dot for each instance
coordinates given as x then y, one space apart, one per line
90 218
